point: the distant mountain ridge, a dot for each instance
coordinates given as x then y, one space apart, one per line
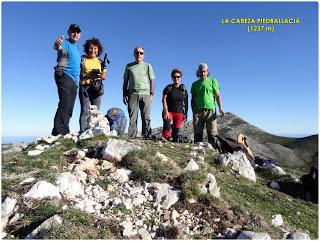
288 151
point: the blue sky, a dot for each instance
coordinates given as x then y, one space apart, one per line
268 79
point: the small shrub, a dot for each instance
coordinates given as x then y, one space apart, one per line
103 183
121 208
78 217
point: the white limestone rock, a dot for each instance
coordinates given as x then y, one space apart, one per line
140 199
239 163
43 189
274 169
277 220
82 176
48 139
120 175
162 157
192 166
253 235
27 180
144 234
106 165
87 205
165 195
117 149
41 147
298 235
69 185
7 206
128 229
34 153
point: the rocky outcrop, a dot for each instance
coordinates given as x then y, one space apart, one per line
239 164
288 151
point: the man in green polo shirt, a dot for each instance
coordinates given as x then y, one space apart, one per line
138 90
205 92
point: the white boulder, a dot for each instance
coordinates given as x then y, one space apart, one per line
192 166
117 149
43 189
69 185
239 163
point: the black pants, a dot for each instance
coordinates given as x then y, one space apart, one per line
67 91
88 96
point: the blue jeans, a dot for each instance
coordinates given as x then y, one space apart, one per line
67 91
88 96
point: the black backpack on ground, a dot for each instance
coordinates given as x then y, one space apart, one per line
229 145
310 184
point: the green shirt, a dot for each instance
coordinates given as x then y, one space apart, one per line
138 76
203 91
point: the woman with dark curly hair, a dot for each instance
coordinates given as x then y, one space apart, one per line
92 74
175 107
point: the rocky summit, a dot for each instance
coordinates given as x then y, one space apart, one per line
102 186
296 152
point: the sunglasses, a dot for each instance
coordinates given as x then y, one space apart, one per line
175 76
75 31
139 53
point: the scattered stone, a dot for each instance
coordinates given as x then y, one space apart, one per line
69 185
140 199
45 227
174 214
121 175
87 205
43 189
48 139
298 235
34 153
253 235
274 169
165 195
128 226
162 157
80 155
105 165
139 223
210 186
27 181
192 166
230 233
15 218
145 235
41 147
277 220
192 200
7 206
88 166
82 176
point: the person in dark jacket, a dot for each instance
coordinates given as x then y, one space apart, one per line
175 106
